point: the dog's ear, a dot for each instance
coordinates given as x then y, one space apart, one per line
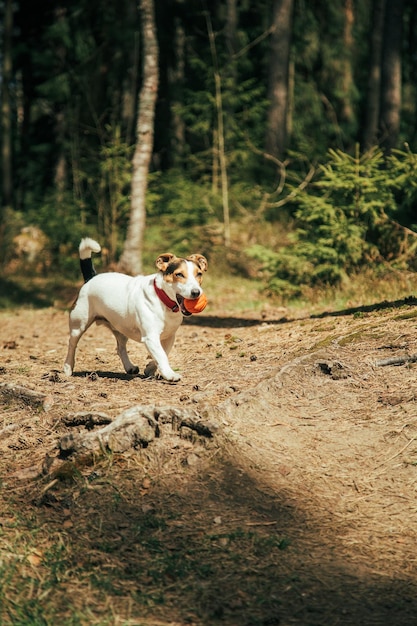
164 260
199 260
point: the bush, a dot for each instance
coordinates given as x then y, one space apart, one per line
343 221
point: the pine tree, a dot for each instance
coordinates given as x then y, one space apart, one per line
344 222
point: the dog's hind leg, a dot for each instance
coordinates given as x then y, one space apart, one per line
122 352
75 336
79 322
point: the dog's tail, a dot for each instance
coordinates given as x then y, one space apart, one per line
87 246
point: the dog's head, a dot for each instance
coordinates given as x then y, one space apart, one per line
183 275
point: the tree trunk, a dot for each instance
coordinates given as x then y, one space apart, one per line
370 131
347 113
278 88
60 173
131 258
176 77
391 75
6 114
220 134
230 70
129 88
230 73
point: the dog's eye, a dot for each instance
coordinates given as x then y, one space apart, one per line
199 274
179 275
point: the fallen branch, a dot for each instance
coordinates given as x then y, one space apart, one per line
88 419
136 427
22 394
188 418
398 360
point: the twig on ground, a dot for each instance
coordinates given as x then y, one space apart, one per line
398 360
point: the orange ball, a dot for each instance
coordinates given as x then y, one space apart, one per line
196 306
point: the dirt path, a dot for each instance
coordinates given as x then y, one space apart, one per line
307 496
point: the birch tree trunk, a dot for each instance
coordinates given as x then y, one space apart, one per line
131 258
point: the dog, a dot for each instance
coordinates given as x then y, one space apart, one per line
147 309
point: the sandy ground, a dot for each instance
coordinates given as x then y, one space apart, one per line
317 446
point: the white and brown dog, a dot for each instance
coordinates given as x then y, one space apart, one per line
147 309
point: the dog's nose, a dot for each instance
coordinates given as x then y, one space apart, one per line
195 293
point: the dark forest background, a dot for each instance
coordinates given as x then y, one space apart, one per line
285 133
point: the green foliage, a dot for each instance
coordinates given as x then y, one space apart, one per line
77 75
322 98
66 216
345 209
183 200
177 211
62 222
343 222
114 189
403 164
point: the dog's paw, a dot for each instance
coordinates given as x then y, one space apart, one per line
67 369
150 369
133 371
172 377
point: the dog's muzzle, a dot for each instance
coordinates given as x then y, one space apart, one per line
183 310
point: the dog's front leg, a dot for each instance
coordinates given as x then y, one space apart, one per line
160 357
166 344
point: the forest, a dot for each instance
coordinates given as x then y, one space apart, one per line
274 483
282 134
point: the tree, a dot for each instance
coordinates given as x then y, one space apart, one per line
6 113
347 114
278 90
219 149
176 78
276 77
391 75
344 222
372 101
131 258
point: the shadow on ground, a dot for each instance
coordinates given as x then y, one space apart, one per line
211 546
236 322
13 294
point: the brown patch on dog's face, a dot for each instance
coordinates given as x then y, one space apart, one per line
197 271
164 260
176 272
199 260
181 271
184 276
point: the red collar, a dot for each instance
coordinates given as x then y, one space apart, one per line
171 304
